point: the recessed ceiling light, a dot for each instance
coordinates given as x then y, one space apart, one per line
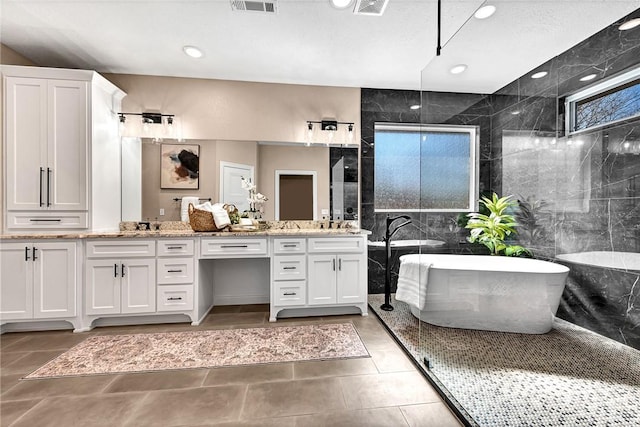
457 69
629 24
192 51
515 113
539 75
588 77
415 107
341 4
485 11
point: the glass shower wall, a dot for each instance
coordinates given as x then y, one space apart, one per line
572 192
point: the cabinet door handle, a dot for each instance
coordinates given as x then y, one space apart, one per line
233 246
292 245
49 172
289 293
34 249
288 268
41 172
333 264
174 271
45 220
174 247
122 270
26 253
174 299
339 264
115 270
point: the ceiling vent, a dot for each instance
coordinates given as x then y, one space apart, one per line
267 6
370 7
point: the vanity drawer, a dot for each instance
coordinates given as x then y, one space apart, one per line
47 220
175 247
337 244
121 248
290 267
175 298
289 246
290 293
225 248
175 270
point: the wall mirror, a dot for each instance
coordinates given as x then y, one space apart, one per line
336 171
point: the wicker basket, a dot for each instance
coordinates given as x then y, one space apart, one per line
201 220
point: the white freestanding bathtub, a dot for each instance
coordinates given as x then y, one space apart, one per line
493 293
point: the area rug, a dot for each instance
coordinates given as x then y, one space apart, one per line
109 354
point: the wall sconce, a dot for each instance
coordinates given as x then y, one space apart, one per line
331 132
153 125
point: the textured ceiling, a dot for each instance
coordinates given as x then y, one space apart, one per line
307 41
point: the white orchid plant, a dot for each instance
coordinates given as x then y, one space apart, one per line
256 200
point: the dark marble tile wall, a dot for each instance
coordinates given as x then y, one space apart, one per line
596 204
393 106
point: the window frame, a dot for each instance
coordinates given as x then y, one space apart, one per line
474 159
601 88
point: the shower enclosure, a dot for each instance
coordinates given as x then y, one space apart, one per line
574 190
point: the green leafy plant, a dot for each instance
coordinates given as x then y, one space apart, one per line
491 230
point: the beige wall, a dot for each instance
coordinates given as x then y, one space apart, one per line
238 111
227 119
9 56
274 157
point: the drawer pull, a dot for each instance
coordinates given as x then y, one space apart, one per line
45 220
234 246
288 268
289 293
292 245
174 247
174 299
174 271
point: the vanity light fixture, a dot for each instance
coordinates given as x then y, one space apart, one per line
193 51
148 118
457 69
329 129
633 23
162 124
485 11
588 77
539 74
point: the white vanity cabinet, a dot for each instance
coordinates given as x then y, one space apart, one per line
120 277
337 270
318 273
175 274
38 280
61 142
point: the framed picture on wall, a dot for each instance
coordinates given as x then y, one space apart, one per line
179 166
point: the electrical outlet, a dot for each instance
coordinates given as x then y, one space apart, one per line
161 212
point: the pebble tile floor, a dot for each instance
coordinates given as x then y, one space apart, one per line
383 390
567 377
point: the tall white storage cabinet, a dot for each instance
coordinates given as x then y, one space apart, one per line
61 150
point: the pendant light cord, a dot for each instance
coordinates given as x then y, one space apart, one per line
439 48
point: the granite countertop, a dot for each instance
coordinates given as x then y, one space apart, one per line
188 233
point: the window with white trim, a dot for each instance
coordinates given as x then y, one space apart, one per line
425 168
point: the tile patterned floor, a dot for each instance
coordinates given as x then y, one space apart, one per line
384 390
568 377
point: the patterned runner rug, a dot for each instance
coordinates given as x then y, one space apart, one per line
108 354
